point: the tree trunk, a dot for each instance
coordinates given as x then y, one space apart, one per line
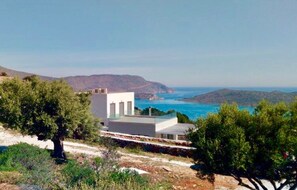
58 149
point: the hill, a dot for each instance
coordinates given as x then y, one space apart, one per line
114 83
20 74
241 97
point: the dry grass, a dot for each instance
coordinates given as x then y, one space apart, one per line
10 177
5 186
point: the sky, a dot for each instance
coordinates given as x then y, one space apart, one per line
213 43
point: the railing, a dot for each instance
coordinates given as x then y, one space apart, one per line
156 119
165 117
118 116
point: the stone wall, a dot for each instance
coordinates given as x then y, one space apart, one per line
175 150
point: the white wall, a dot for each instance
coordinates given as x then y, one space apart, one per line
166 123
100 104
117 98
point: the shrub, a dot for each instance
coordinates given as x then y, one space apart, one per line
79 174
121 177
262 145
35 164
4 74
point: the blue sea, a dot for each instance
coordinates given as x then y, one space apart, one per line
194 110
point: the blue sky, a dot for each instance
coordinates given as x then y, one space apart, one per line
179 43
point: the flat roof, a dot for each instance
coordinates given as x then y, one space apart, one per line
139 119
113 93
177 129
134 119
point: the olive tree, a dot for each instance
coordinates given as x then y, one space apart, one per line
49 110
256 146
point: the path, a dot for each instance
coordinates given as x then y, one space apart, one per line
176 172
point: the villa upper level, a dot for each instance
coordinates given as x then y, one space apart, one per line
109 105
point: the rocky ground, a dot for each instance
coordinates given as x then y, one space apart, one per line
172 170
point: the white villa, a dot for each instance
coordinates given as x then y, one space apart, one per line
116 110
111 105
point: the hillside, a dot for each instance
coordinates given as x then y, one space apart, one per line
114 83
241 97
20 74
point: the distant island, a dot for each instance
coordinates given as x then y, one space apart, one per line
241 97
147 96
114 83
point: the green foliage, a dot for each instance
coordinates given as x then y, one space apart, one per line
90 176
50 110
88 127
76 173
240 144
121 177
182 118
35 164
154 112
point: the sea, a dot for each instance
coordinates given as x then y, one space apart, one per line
173 100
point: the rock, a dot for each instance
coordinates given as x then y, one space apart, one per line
167 169
139 171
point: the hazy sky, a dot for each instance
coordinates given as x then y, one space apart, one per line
176 42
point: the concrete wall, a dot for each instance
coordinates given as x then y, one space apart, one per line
99 106
147 129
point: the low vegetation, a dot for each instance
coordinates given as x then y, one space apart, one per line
262 145
28 165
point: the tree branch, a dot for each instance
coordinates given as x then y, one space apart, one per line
294 187
273 184
240 182
254 183
282 185
260 183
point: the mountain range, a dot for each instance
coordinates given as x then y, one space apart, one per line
242 97
114 83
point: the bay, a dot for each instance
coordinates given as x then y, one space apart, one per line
195 110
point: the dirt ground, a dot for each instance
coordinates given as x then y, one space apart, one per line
160 168
181 178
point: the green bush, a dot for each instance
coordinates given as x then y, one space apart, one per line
35 164
261 145
31 166
76 174
121 177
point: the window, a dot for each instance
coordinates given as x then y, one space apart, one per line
182 137
167 136
129 103
170 136
112 110
122 109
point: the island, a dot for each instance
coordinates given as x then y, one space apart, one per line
147 96
242 97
